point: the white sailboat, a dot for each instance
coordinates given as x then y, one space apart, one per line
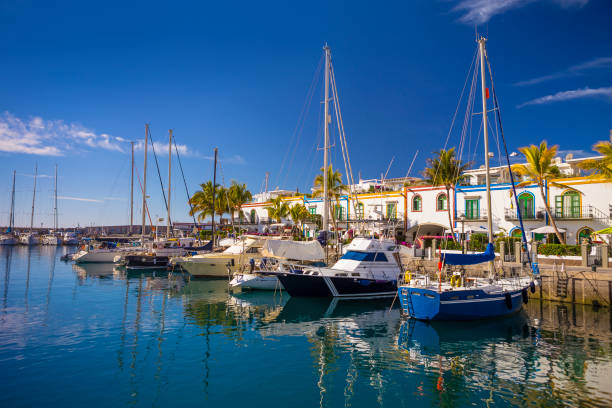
29 238
9 237
52 238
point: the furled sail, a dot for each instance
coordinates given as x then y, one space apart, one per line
469 259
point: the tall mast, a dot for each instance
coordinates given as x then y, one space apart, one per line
214 193
485 127
144 185
55 203
326 121
169 179
33 198
132 192
12 214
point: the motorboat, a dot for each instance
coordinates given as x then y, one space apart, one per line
51 239
369 268
220 264
8 239
103 253
159 253
29 239
279 255
70 238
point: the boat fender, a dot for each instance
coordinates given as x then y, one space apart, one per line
532 287
508 301
525 296
232 261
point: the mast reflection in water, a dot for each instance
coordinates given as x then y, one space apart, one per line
95 335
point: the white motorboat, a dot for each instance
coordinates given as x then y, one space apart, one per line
280 254
51 239
70 238
29 239
216 264
105 253
7 239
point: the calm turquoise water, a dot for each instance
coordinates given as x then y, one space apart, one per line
92 336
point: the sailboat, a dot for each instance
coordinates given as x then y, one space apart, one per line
469 298
369 268
52 238
9 237
30 238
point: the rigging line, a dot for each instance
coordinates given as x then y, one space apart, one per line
142 192
185 183
518 208
159 174
301 118
227 200
318 139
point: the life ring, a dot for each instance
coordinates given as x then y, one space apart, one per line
508 301
525 296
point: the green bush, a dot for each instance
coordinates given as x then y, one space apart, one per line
478 242
559 249
450 244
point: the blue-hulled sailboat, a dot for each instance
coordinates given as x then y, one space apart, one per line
467 299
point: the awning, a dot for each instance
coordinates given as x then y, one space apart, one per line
295 250
547 229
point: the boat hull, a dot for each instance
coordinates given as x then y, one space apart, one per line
427 304
249 281
145 261
96 256
331 286
8 241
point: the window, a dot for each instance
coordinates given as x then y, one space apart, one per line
359 210
441 202
365 256
253 214
526 206
567 205
417 203
339 212
312 210
472 209
391 210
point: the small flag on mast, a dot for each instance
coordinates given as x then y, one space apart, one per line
487 92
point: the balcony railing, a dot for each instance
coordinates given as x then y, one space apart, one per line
585 212
468 216
510 214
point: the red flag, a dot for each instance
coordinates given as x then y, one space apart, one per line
487 92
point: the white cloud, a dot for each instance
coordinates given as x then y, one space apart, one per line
89 200
605 92
49 137
481 11
605 62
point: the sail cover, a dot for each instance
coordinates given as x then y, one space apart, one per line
295 250
469 259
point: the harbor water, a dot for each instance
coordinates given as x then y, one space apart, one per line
94 335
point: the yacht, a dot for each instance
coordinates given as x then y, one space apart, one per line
220 264
70 238
7 239
51 239
369 268
29 239
104 253
158 254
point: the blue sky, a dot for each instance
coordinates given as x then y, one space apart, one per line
80 79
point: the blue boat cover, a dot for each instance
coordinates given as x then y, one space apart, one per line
469 259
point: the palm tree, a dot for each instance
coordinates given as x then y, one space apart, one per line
299 213
601 168
278 210
238 196
445 170
202 201
540 170
335 189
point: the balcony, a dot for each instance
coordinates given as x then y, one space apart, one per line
472 216
510 214
585 212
